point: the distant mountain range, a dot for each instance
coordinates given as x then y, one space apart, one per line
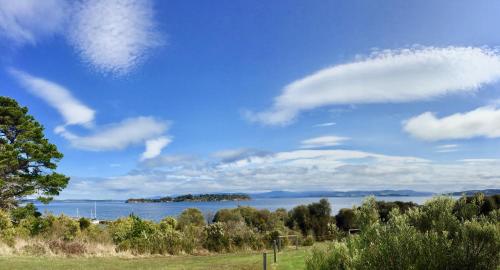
486 192
354 193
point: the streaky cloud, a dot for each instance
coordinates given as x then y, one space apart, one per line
390 76
72 110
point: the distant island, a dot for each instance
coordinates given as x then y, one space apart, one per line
194 198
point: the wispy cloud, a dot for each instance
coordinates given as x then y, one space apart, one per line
481 122
26 21
328 124
323 141
114 36
389 76
57 96
446 148
131 131
154 147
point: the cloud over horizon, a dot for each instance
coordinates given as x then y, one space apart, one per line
297 170
386 77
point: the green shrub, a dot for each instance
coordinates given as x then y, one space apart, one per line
20 213
308 241
84 223
429 237
5 220
191 238
191 217
215 237
477 246
62 228
336 256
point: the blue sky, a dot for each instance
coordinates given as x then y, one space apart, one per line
149 98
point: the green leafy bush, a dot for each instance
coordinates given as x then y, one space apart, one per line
428 237
215 237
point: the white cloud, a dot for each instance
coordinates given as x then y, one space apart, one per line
390 76
72 110
323 141
328 124
154 147
25 21
481 122
299 170
118 136
114 36
446 148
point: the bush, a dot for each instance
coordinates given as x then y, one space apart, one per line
84 223
5 221
336 256
20 213
191 217
308 241
215 237
429 237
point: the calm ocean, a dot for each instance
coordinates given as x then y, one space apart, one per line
107 210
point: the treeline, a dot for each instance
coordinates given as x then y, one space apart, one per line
195 198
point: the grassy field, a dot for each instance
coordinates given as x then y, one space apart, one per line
288 259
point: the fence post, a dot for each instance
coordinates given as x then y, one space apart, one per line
279 244
274 249
296 242
264 258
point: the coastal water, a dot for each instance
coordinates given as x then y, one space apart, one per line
108 210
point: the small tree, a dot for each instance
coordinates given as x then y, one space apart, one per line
27 159
191 217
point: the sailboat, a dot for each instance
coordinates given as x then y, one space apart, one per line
94 219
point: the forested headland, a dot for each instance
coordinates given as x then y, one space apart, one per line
194 198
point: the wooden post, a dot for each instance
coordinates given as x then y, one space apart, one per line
264 258
297 242
274 249
279 244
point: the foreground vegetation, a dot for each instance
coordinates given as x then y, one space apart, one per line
441 234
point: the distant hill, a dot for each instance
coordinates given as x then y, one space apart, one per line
486 192
355 193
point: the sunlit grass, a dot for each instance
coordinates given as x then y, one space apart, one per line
288 259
